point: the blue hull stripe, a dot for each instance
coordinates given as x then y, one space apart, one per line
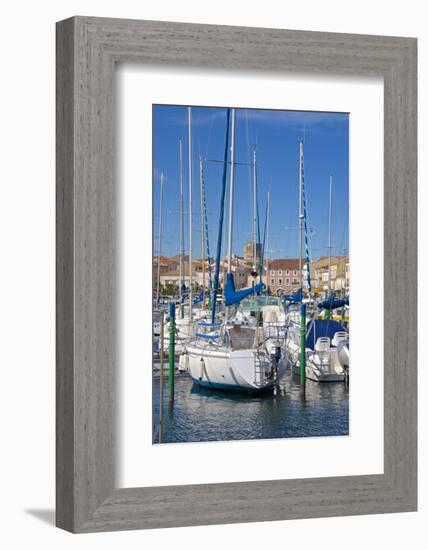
229 387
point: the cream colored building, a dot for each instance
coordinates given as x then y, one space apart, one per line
339 273
239 270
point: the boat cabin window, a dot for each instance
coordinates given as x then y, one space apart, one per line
241 337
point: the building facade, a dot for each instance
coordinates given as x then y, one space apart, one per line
339 273
171 277
283 276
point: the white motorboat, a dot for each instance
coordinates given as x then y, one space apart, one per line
324 340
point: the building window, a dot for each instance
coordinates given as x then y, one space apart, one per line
279 273
295 280
280 282
272 282
295 272
287 281
288 272
272 272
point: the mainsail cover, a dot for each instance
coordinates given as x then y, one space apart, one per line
199 298
183 293
293 298
233 296
332 303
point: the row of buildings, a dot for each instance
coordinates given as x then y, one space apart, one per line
279 275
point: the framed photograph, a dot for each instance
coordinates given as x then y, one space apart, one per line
234 205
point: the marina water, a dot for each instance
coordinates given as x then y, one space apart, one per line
200 414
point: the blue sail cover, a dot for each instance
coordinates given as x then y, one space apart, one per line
220 225
321 328
199 298
233 296
331 303
293 298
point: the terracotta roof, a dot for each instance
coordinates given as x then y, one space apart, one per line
177 258
287 263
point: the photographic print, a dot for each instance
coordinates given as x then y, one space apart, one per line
250 274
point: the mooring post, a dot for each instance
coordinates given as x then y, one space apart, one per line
171 351
161 377
342 316
302 348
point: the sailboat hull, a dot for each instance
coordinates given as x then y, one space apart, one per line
233 370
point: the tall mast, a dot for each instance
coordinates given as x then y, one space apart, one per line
220 225
329 232
254 210
189 122
202 223
232 173
300 210
181 228
159 236
266 251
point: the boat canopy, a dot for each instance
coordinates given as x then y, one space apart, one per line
332 303
293 298
233 296
321 328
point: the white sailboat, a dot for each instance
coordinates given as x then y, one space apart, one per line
231 355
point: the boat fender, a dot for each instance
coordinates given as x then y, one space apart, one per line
201 372
183 362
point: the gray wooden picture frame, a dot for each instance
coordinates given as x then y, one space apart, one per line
87 50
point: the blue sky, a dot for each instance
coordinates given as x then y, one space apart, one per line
276 135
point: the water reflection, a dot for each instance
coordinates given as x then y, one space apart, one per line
201 414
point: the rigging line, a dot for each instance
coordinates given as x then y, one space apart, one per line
209 134
210 283
305 225
258 228
264 233
220 231
248 156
